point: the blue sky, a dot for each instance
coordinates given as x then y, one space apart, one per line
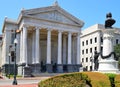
90 11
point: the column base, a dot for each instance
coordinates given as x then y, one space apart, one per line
49 68
26 71
36 68
59 68
70 68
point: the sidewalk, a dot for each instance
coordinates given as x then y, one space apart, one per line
21 85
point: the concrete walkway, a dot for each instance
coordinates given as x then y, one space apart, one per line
22 82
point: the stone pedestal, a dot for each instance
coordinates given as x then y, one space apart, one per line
108 64
49 68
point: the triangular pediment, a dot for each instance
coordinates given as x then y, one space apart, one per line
53 13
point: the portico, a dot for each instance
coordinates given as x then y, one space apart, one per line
45 46
49 40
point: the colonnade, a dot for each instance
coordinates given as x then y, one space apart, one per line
36 50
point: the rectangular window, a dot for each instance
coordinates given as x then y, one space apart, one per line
117 41
86 51
96 48
83 43
82 59
90 41
90 50
12 38
86 42
82 51
95 39
86 59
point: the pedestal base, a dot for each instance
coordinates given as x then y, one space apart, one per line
49 68
108 66
60 68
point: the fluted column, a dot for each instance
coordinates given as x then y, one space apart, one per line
25 45
37 46
64 50
21 46
59 60
78 48
49 47
48 61
70 66
69 47
33 47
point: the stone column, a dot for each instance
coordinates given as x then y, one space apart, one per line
37 46
25 45
21 46
78 53
64 50
37 51
33 48
59 60
69 66
49 65
78 48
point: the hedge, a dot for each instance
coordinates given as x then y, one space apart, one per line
117 81
97 79
65 80
93 79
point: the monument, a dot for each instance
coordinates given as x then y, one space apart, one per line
108 63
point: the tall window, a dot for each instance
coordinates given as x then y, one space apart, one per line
86 42
12 38
117 41
90 41
82 43
86 59
95 39
82 51
82 59
101 39
96 48
86 51
90 50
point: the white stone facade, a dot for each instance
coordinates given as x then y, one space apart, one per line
47 36
91 40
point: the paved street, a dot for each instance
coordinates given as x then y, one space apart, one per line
26 82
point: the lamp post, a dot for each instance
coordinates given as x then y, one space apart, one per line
9 60
15 81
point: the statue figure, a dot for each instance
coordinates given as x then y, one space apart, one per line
109 21
96 55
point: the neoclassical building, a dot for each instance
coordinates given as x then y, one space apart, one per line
48 41
91 41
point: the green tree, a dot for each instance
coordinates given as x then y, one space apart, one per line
117 51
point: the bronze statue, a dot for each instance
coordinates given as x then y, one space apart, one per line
96 61
109 21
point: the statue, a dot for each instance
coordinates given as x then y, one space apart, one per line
96 55
109 21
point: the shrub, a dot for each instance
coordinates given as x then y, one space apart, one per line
97 79
117 81
65 80
111 78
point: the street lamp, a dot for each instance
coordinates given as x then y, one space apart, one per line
9 60
15 81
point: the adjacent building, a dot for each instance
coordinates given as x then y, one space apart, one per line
48 40
91 41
